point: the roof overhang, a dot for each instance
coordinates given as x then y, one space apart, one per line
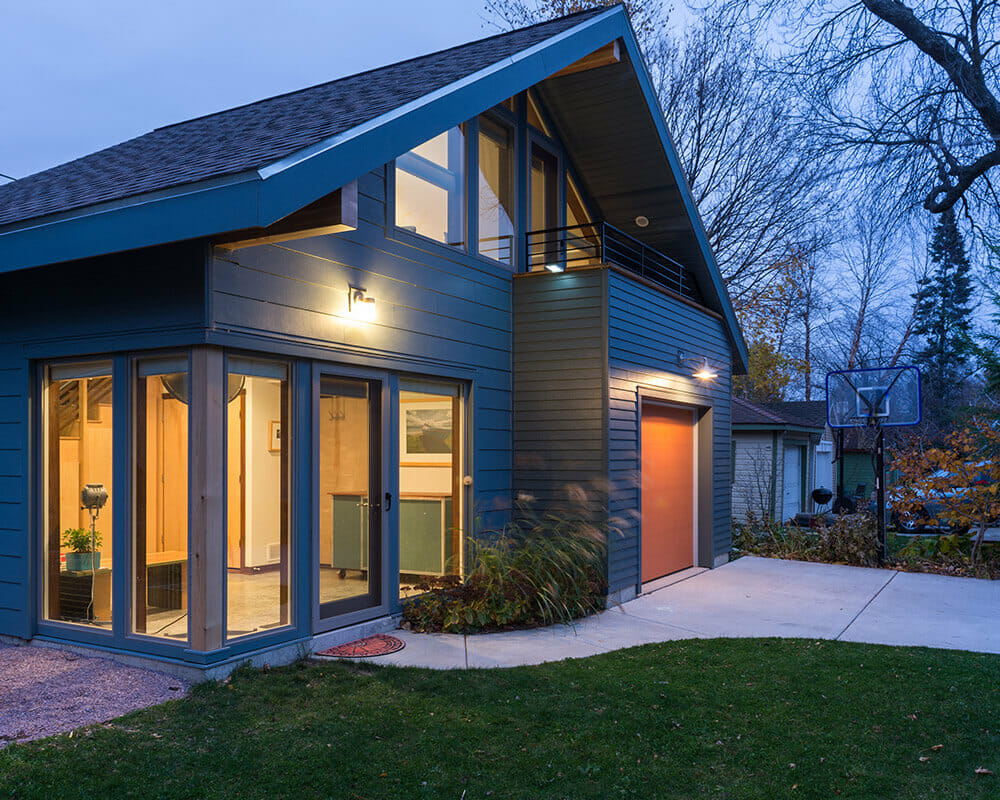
259 198
752 427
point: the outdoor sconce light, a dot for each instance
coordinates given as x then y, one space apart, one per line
359 305
703 371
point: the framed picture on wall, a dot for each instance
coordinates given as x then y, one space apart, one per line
426 432
274 436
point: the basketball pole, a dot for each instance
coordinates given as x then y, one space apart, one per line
880 491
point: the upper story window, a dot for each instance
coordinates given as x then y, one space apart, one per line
468 187
430 188
496 190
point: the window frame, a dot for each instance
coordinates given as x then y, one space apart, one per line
525 136
470 131
502 118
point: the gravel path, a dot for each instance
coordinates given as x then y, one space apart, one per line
45 691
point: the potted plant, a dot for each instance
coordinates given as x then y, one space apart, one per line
84 556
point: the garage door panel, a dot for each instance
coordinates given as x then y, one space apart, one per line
668 484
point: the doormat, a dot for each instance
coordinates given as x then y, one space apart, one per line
380 644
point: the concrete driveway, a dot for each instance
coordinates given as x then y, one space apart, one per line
748 597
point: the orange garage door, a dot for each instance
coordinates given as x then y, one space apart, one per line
667 490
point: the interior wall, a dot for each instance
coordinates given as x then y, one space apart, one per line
263 471
343 459
166 479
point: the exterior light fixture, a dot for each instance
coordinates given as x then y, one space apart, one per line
555 267
359 305
703 371
642 221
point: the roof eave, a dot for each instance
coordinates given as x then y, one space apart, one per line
741 354
776 426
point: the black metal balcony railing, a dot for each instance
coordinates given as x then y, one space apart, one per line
600 243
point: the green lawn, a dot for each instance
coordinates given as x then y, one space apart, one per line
753 718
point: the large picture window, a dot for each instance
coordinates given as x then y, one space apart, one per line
257 481
160 541
496 190
430 188
79 494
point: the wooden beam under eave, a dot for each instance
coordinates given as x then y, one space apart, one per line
333 213
609 54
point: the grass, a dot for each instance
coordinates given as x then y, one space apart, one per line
750 718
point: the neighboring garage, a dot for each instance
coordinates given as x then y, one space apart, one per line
776 453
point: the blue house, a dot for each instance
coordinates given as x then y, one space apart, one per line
263 371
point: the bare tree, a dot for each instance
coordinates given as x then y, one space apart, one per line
875 268
910 94
755 177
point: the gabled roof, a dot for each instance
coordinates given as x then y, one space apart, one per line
258 134
254 165
793 414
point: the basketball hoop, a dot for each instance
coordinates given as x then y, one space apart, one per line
880 397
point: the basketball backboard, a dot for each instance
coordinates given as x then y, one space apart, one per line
887 396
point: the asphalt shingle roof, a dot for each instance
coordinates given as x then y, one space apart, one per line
255 135
801 413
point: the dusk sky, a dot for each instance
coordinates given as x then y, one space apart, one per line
81 76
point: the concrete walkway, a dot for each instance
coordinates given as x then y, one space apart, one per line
747 597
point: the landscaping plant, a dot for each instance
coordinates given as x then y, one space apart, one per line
850 539
539 569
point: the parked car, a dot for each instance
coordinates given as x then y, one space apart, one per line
931 515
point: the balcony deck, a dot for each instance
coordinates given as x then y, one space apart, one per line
597 243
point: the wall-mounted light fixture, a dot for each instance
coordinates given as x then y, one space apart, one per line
555 267
359 304
703 371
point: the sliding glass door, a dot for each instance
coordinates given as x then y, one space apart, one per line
350 495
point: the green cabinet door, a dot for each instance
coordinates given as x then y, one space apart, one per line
421 536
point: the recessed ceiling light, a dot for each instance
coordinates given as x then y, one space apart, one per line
642 221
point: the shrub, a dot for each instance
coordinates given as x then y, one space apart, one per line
761 535
851 539
535 571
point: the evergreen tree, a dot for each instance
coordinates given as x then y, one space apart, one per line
943 321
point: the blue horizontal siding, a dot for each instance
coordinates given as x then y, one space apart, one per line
646 329
559 377
14 585
432 305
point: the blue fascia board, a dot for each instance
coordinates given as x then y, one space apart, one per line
207 208
195 212
742 354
